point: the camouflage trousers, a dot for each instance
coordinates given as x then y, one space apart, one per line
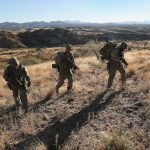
112 69
62 76
20 96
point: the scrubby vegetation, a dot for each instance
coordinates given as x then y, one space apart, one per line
9 40
88 118
52 37
47 38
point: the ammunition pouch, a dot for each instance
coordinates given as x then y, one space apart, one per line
55 66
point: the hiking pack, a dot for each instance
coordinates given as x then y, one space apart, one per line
58 59
108 51
61 61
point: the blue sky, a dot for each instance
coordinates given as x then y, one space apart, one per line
83 10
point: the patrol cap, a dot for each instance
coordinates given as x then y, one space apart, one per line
69 46
13 61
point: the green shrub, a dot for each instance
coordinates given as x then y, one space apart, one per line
3 65
32 60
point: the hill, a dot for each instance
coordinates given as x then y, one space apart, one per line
40 38
61 36
76 23
51 38
9 40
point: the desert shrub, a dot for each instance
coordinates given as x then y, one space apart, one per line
9 40
116 140
32 60
88 49
3 65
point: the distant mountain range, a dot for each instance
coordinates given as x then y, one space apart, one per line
76 23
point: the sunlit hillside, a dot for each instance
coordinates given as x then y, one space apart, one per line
86 119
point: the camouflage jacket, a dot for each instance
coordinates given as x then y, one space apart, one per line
117 56
16 77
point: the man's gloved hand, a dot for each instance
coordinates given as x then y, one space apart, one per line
126 65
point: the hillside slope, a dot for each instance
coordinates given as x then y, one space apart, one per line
10 40
61 36
87 118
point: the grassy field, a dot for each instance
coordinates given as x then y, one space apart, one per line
86 119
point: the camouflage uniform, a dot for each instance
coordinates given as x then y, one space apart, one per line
65 67
16 76
113 66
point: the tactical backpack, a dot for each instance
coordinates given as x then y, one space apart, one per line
115 55
63 62
106 50
58 60
12 79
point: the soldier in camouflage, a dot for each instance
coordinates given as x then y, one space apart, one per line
66 64
115 64
16 77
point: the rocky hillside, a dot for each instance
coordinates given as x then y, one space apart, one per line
61 36
86 118
51 38
9 40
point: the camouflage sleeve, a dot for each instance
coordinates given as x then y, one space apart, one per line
74 65
26 74
27 77
72 57
8 74
124 61
5 76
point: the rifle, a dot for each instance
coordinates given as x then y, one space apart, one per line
14 81
68 61
73 65
19 83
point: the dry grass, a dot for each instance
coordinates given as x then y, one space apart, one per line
139 63
98 132
28 56
116 140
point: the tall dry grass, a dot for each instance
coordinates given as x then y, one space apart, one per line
139 63
92 81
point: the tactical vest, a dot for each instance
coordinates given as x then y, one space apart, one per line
115 55
64 60
12 73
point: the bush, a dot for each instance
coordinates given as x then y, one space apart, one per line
9 40
116 140
32 60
